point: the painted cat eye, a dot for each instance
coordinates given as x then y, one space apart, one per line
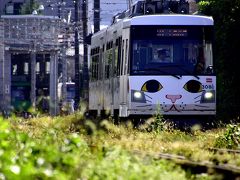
151 86
193 86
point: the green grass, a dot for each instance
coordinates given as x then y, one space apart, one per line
71 147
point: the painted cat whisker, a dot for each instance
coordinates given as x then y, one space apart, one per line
197 96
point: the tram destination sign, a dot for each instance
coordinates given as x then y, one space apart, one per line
169 32
172 32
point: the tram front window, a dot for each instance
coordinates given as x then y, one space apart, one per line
182 57
171 55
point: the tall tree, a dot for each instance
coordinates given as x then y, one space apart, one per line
227 28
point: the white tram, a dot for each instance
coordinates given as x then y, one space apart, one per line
128 78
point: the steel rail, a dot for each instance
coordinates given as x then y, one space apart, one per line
224 150
225 169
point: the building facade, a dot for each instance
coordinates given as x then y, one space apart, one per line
29 51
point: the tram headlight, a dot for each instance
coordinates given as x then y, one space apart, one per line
138 96
208 97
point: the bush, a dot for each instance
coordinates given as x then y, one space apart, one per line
43 148
231 137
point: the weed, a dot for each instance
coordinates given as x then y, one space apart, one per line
230 138
157 123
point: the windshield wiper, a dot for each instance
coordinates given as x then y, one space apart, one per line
188 72
183 69
159 70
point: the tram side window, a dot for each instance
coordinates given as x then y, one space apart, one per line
94 64
115 71
119 55
95 67
108 59
126 58
122 57
115 59
92 69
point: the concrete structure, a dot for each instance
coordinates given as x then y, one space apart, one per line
29 50
58 8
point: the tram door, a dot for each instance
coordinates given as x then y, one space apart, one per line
20 82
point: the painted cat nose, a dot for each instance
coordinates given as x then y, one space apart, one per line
173 98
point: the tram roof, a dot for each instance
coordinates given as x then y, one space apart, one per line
169 19
153 20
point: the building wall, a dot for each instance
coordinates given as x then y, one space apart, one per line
32 35
51 7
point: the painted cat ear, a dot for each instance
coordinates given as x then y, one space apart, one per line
193 86
151 86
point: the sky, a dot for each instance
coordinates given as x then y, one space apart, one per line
108 9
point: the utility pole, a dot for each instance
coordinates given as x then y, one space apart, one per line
85 51
129 3
77 63
96 15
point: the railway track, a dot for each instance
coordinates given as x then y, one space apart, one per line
220 150
227 171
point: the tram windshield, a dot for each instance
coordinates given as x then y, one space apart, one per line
171 50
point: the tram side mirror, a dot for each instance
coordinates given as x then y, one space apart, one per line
210 69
